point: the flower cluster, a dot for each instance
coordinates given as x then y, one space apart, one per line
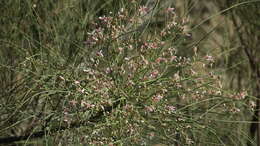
145 76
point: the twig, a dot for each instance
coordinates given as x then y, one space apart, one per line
41 133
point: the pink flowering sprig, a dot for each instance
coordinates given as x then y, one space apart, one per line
137 69
170 10
143 10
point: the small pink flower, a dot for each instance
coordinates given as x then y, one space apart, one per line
73 102
67 120
176 76
128 107
170 10
163 33
149 109
242 95
108 70
153 45
171 108
65 111
105 19
100 54
143 10
120 49
77 82
160 60
154 74
86 105
173 58
193 72
157 98
94 38
151 135
209 58
81 91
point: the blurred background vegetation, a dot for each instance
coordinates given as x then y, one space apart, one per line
43 41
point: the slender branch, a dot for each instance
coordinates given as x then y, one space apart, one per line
41 133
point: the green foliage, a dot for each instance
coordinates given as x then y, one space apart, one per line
110 72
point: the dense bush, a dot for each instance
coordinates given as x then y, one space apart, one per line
112 76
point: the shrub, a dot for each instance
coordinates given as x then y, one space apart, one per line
127 85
